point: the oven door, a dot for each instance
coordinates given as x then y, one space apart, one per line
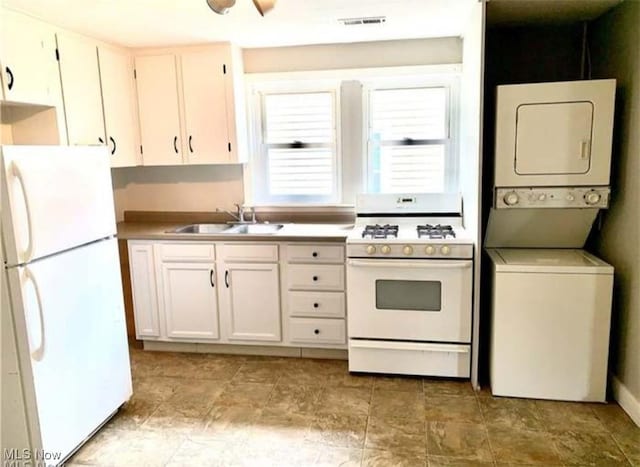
417 300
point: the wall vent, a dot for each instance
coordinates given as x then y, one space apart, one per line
363 20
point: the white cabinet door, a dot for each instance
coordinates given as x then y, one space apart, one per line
157 84
143 287
252 301
205 107
28 59
81 89
120 110
190 303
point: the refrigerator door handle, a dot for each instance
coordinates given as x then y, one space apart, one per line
28 252
38 353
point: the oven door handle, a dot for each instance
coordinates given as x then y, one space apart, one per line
416 264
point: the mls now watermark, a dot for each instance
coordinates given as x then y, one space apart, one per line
30 458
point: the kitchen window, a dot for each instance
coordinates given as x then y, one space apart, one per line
298 150
409 145
320 138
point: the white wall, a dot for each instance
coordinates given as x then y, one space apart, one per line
470 152
616 54
177 188
354 55
202 188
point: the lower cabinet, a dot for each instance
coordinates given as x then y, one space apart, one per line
251 298
190 301
143 288
238 293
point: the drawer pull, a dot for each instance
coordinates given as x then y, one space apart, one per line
314 254
316 331
316 305
315 278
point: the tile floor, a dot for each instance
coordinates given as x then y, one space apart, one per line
201 410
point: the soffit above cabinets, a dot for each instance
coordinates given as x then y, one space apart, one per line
146 23
539 12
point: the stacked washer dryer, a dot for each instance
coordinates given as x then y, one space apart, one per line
551 300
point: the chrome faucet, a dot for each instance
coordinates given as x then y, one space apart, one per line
239 215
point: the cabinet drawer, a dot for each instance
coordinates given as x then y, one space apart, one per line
315 253
316 277
317 331
248 252
317 304
187 251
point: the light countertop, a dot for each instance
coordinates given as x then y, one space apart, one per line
289 232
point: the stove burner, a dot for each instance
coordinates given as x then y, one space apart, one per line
435 231
380 231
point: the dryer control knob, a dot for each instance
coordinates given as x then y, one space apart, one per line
445 250
429 250
407 250
511 198
371 249
593 197
386 249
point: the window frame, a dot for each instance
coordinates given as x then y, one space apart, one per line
260 160
352 172
452 143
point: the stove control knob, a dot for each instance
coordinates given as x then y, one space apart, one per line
511 198
407 250
386 249
371 249
445 250
429 250
593 197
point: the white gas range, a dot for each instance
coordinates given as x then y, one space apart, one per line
409 281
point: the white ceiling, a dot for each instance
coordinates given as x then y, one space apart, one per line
140 23
522 12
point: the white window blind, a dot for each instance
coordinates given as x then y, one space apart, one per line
299 147
408 140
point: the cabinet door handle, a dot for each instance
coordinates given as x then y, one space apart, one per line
226 278
316 331
314 254
190 146
316 305
113 141
175 144
10 75
315 278
211 278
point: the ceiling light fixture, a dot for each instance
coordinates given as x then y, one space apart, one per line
222 6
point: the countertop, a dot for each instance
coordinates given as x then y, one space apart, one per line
307 232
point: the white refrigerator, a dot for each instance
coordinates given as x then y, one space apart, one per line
65 365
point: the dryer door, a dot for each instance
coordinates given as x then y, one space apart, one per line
553 138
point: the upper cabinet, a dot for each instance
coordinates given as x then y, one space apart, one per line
28 60
157 84
205 109
99 96
119 102
81 92
187 101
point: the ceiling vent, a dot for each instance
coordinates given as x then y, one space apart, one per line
363 20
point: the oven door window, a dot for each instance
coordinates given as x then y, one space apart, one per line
408 295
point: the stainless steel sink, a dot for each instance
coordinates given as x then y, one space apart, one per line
201 229
228 229
254 229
